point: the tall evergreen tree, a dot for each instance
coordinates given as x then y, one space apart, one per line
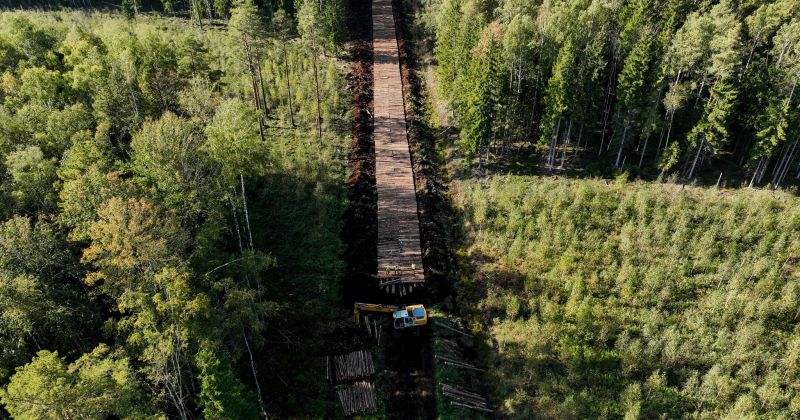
481 102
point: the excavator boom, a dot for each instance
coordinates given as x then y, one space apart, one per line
372 307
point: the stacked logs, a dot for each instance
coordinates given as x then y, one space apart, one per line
357 364
464 398
358 398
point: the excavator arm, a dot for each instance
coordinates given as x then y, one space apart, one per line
372 307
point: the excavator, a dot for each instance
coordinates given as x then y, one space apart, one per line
403 316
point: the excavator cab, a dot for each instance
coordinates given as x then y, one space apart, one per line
410 316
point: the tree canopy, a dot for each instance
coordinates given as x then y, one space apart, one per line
164 219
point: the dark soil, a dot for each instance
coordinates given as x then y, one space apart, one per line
360 223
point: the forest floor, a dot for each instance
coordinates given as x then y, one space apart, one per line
524 157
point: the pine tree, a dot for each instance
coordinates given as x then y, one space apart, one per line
558 96
632 91
130 8
248 27
480 106
711 133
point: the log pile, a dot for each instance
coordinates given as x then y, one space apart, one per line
357 398
357 364
466 399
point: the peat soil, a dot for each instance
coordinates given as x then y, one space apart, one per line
360 223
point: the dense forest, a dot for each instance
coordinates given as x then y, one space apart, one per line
674 88
200 11
170 200
634 300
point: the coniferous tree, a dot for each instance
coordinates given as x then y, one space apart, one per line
640 78
481 103
711 133
558 95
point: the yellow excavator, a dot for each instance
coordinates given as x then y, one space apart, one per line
403 316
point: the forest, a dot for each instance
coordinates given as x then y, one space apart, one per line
171 191
187 186
688 90
631 299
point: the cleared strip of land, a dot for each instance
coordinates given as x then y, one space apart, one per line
399 250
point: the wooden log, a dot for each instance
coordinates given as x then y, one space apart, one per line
466 400
360 396
359 403
363 395
467 396
460 390
453 360
459 365
367 400
485 410
454 330
460 395
457 388
343 402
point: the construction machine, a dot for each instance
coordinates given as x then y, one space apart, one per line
403 316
